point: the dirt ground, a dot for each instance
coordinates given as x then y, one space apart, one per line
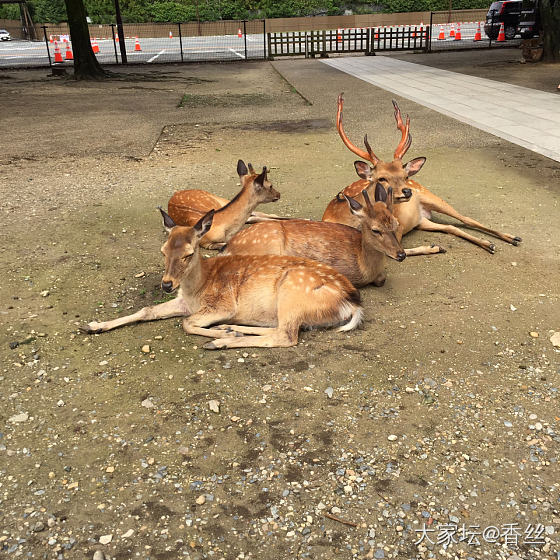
437 420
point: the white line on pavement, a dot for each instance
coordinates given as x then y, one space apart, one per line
158 54
235 52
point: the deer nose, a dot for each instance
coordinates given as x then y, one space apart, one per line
167 286
407 193
401 255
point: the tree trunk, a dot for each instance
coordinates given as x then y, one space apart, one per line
550 20
86 66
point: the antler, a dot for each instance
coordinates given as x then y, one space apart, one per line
406 139
369 155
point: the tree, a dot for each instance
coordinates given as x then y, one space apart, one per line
86 66
550 20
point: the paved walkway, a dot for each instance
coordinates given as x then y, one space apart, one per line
527 117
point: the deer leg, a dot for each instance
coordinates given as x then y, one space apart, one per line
427 225
214 245
432 202
424 250
246 330
198 323
256 217
174 308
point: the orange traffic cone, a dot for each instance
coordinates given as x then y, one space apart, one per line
68 55
501 34
137 45
239 33
452 32
441 36
171 34
478 35
338 36
57 53
458 33
94 46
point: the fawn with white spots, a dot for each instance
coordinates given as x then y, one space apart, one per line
359 255
414 203
188 206
264 300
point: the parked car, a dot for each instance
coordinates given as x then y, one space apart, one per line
530 20
507 12
4 35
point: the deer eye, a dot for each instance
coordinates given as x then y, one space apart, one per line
383 179
376 231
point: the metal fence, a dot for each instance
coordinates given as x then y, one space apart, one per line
145 43
248 40
468 29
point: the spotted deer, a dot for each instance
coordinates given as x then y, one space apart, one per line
264 299
414 203
188 206
359 255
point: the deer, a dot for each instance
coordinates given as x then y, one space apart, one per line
245 300
414 203
188 206
358 255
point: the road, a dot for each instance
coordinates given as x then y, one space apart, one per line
207 49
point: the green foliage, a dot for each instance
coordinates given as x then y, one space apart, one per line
138 11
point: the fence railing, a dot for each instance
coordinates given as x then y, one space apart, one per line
258 39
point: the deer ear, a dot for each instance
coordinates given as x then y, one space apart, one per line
414 165
242 168
380 193
389 201
260 179
355 207
204 224
168 222
363 169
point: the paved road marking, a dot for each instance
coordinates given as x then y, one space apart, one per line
235 52
524 116
158 54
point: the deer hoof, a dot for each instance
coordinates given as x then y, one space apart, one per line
210 346
492 248
516 241
90 329
442 249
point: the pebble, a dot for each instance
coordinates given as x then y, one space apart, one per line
146 348
22 417
201 499
128 534
214 406
98 555
379 553
147 403
392 437
508 424
533 416
140 275
534 334
105 539
45 293
538 426
555 339
329 392
110 469
38 527
60 403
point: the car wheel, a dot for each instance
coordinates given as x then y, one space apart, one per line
510 32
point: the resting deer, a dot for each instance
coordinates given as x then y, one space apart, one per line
270 297
187 207
359 255
415 202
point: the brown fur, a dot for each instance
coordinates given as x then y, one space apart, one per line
411 213
269 297
359 255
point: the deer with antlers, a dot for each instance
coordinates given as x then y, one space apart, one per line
359 255
414 203
188 206
266 298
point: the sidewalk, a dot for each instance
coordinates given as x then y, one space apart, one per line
523 116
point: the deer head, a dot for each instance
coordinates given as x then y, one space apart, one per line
181 249
258 185
390 174
377 222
